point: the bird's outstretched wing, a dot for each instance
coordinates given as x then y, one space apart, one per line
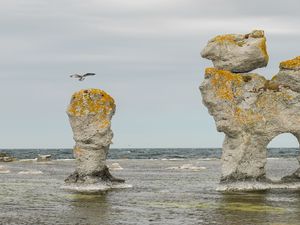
76 76
89 74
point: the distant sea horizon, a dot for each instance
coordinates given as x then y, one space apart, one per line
144 153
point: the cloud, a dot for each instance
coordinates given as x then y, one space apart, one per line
145 53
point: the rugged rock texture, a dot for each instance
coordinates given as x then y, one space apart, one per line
251 111
237 52
90 113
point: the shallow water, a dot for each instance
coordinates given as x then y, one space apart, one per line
159 196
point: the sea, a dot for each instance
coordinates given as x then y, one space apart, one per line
146 153
161 191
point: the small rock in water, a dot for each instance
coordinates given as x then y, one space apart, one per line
4 170
115 166
43 158
7 159
33 172
4 157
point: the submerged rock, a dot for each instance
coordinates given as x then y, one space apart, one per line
251 111
90 113
236 52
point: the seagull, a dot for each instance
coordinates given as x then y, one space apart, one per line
82 77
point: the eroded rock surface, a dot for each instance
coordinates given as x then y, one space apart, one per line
90 113
237 52
251 111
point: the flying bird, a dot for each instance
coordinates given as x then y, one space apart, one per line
82 77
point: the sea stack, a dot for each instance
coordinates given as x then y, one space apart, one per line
90 112
248 108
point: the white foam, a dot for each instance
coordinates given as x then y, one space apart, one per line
31 172
99 187
187 167
4 170
28 160
65 160
115 166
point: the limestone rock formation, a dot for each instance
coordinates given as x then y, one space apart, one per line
237 52
251 111
90 113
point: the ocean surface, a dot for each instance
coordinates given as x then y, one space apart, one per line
161 193
146 153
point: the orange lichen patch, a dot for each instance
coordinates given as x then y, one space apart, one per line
246 117
224 82
292 64
228 39
263 48
92 101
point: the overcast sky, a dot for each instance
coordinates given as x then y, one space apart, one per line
145 54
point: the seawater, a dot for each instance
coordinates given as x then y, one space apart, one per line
158 196
147 153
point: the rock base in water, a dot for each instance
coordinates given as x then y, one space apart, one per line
95 177
256 186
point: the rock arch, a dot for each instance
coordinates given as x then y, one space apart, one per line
247 107
286 140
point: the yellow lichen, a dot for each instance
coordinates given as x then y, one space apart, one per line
92 101
263 48
291 64
228 38
223 82
248 116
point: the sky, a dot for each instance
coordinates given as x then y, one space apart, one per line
146 54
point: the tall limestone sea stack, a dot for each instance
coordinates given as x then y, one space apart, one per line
90 112
248 108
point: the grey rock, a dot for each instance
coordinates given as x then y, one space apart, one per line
7 159
90 113
251 111
237 53
289 74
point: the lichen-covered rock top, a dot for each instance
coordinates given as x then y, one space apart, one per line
236 52
289 74
292 64
92 100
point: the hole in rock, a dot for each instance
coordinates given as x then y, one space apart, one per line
282 152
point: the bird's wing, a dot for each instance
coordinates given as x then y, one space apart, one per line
76 76
89 74
81 78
